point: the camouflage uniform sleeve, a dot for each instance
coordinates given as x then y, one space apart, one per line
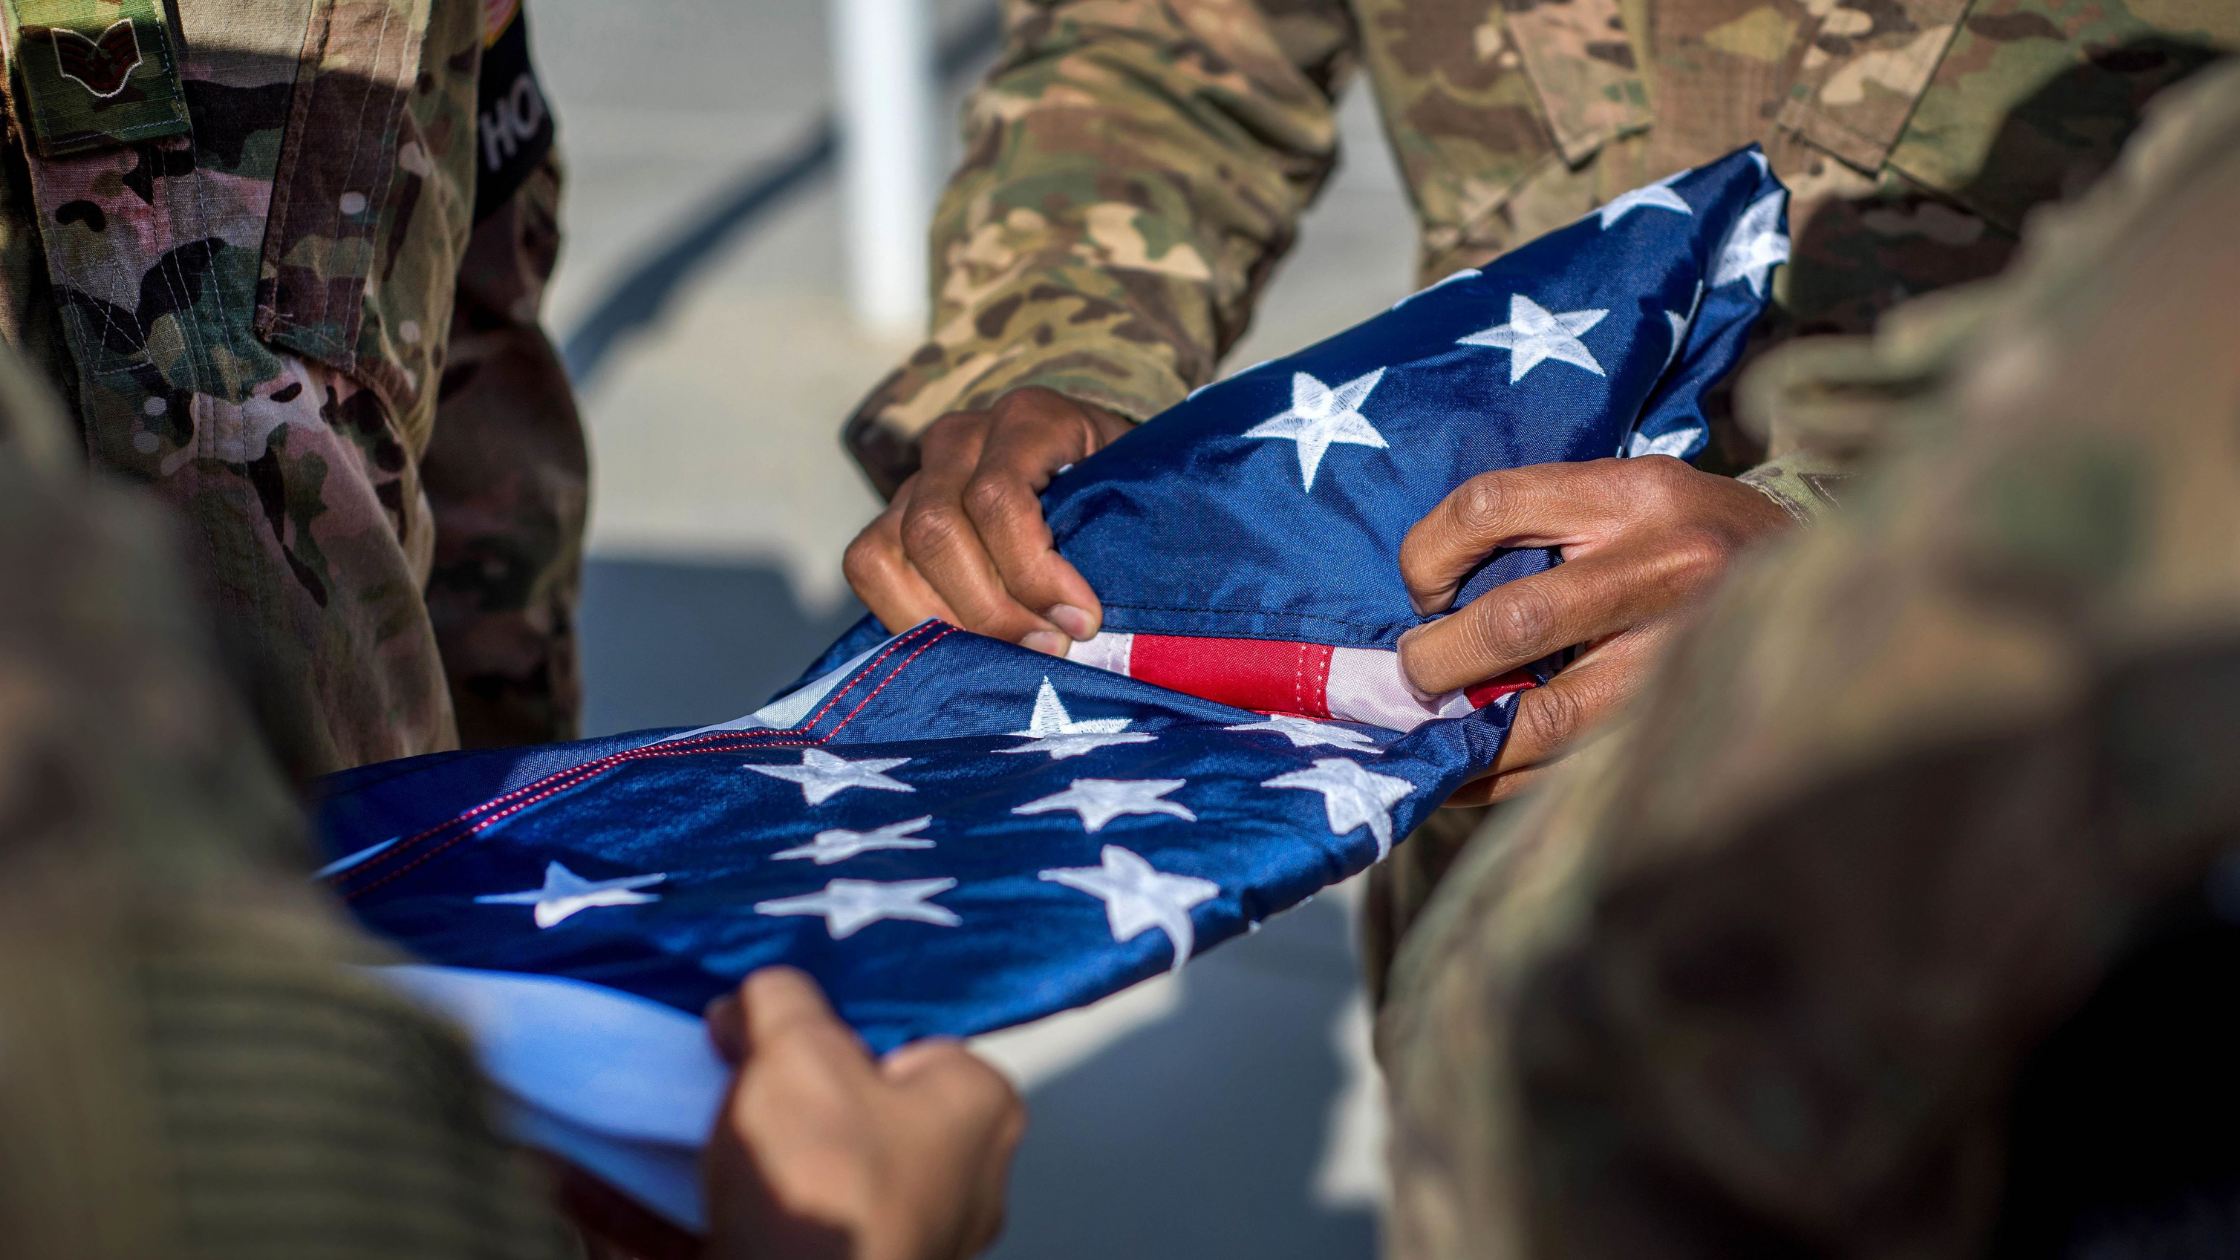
1133 172
1760 972
1802 483
1825 405
1819 403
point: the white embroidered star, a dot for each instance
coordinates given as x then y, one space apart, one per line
1679 324
1060 734
1657 196
1754 246
1138 897
1534 335
850 905
823 776
838 844
565 892
1321 417
1099 801
1306 733
1673 442
1351 796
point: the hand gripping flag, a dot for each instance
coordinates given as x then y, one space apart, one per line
954 834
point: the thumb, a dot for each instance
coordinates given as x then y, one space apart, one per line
780 1002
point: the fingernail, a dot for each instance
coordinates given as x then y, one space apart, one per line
1047 642
1073 621
1401 667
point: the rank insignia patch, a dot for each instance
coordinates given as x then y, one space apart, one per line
94 73
103 64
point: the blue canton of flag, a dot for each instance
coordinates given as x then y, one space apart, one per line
954 834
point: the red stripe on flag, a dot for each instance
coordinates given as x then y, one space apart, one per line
1264 675
1493 689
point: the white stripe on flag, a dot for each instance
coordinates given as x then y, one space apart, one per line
1108 651
1366 686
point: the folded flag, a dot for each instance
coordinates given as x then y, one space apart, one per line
1245 542
953 834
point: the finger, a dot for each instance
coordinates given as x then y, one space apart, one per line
971 1095
1033 434
930 1054
1517 623
883 577
982 1112
941 543
1542 505
780 1002
943 1068
723 1019
983 1219
1551 716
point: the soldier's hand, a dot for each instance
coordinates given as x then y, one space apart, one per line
1642 540
823 1151
964 539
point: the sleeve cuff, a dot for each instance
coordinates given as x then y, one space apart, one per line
1133 381
1807 484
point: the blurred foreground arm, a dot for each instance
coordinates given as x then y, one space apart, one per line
193 1065
192 1069
1767 970
822 1151
1133 170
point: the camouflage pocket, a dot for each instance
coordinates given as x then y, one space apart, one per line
1863 72
2067 88
92 75
373 196
1583 67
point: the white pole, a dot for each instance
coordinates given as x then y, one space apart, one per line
883 62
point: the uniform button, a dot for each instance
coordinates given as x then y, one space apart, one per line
353 203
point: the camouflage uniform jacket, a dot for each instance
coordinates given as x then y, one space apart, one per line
1135 168
1775 968
192 1069
284 257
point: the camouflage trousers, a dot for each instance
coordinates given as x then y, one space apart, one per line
1402 884
288 316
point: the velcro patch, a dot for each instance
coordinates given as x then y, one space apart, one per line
93 73
513 125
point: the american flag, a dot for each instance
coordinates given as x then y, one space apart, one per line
954 834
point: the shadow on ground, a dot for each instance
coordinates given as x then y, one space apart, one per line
1199 1137
687 643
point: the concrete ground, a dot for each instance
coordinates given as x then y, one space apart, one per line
1233 1111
